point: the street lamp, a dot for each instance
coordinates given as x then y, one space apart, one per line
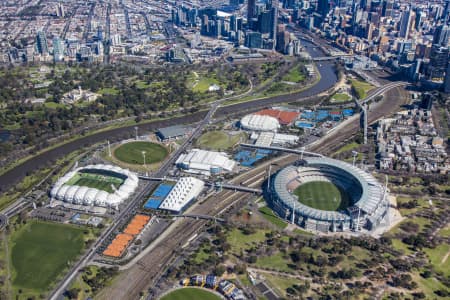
354 153
143 154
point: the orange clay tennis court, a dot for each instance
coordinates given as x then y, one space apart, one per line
122 240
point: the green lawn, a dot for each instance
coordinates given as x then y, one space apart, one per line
40 251
240 241
54 105
218 140
294 75
97 181
340 97
348 147
437 256
132 153
203 84
281 283
190 294
142 85
361 88
274 262
269 215
109 91
322 195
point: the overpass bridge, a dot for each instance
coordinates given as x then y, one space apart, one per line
282 149
198 217
237 188
333 57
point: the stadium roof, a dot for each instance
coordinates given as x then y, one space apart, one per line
186 189
260 123
284 117
202 161
368 202
83 195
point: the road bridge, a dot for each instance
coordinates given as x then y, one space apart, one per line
282 149
197 217
335 57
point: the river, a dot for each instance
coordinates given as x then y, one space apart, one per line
328 79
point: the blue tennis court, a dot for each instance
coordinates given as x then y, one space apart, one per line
249 158
304 125
158 196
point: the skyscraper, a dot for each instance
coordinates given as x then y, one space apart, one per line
405 23
274 21
41 43
438 62
250 10
58 49
442 35
323 7
60 10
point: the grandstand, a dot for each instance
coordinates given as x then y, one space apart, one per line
95 185
366 205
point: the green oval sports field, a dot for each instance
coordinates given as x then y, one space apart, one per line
322 195
131 153
190 294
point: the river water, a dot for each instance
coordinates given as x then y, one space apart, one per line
328 79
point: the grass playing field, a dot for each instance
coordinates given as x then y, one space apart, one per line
190 294
131 153
40 252
322 195
99 182
218 140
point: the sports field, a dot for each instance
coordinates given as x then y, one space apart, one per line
322 195
190 294
100 182
40 251
131 153
218 140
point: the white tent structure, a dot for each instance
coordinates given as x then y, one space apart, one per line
184 191
204 162
259 123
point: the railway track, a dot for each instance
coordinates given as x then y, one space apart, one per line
151 267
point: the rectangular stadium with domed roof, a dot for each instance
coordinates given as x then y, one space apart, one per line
95 185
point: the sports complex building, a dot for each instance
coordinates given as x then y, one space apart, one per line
95 185
364 205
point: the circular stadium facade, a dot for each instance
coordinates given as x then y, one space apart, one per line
95 185
363 203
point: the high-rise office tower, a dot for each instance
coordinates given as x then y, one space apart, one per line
438 62
442 36
323 7
405 23
274 23
60 10
41 43
250 10
58 49
265 22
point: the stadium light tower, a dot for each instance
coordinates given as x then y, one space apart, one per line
143 154
136 130
355 154
109 149
302 149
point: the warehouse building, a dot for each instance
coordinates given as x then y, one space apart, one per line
204 162
183 193
173 132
